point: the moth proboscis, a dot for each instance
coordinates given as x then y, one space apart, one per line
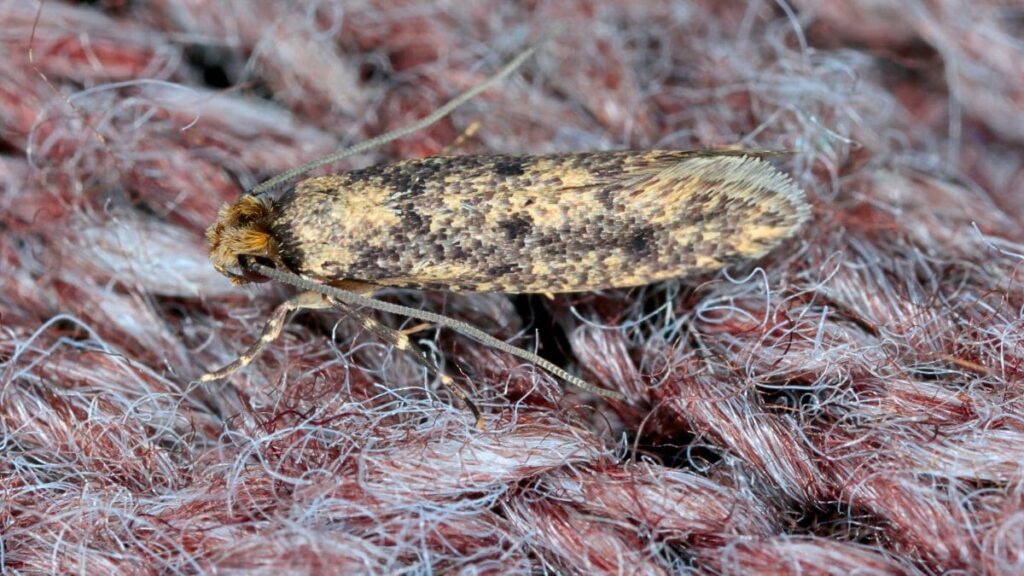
513 224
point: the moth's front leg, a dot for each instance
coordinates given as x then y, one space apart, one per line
271 330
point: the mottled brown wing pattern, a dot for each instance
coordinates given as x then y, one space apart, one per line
560 223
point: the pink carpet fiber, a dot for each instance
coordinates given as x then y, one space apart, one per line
851 403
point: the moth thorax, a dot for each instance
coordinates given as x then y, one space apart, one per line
242 230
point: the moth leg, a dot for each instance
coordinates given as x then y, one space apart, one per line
468 133
464 328
417 328
400 341
271 330
361 288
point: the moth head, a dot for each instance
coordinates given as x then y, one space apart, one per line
242 235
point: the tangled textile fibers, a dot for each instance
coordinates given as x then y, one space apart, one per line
851 403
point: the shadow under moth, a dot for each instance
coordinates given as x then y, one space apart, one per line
512 224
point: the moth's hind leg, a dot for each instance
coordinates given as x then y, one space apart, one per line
271 330
401 341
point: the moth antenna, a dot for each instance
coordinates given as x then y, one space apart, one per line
466 329
397 133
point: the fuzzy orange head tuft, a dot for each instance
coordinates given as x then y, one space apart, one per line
242 229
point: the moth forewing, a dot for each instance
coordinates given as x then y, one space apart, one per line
535 224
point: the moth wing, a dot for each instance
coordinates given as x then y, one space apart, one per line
562 223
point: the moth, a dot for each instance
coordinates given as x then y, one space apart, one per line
512 224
